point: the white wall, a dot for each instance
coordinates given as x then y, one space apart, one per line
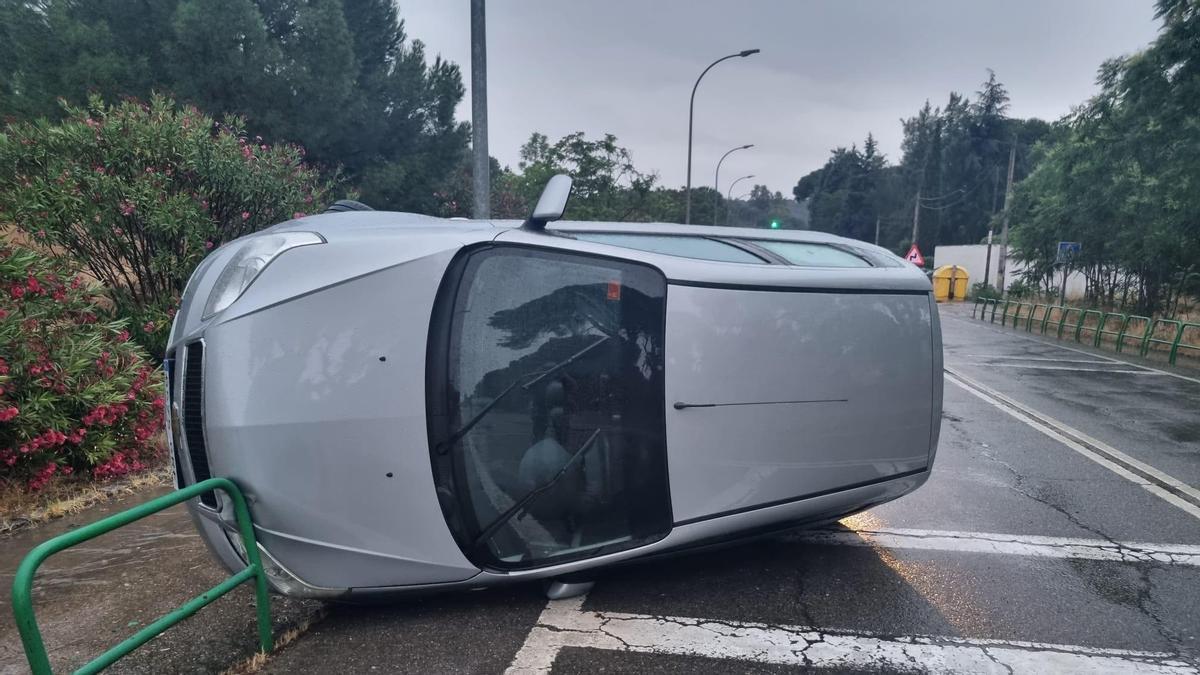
974 258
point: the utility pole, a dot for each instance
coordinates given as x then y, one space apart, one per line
1002 261
987 265
876 230
479 131
916 217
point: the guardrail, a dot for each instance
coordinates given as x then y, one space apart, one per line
1107 324
31 636
1146 321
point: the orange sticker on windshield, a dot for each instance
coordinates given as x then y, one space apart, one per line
614 290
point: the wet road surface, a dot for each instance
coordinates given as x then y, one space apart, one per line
1060 532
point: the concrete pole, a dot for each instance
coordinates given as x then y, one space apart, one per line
479 123
916 218
1002 258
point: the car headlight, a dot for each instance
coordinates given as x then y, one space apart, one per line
251 259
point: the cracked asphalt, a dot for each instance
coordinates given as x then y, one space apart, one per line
1021 554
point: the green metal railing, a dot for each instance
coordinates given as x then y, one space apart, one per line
1146 322
1033 316
1100 330
1081 325
31 636
1004 315
1149 342
1046 317
1066 315
1107 324
1179 344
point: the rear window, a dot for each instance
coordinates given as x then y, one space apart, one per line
682 246
808 254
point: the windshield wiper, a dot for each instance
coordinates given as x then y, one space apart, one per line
524 502
537 377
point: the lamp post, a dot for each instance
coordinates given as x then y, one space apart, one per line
717 178
687 212
729 195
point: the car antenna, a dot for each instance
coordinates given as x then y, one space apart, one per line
551 205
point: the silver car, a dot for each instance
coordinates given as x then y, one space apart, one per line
412 403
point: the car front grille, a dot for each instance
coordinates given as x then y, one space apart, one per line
192 398
174 427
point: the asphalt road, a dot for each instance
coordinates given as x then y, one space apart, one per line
1060 532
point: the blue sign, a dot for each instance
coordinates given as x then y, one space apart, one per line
1067 250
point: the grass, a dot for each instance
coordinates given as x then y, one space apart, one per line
21 509
255 663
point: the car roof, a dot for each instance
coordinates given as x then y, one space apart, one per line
887 270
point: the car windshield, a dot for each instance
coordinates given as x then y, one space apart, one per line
701 248
808 254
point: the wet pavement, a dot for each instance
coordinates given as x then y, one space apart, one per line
90 597
1033 548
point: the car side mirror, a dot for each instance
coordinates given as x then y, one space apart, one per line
552 203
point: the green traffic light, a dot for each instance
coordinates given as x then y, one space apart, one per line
774 224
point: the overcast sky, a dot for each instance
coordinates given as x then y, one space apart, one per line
829 72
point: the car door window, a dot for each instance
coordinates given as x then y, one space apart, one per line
552 446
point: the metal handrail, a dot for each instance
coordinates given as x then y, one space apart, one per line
1032 314
1178 341
1125 331
31 636
1079 327
1100 332
1062 320
1046 316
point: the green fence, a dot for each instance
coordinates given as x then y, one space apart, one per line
1124 329
31 636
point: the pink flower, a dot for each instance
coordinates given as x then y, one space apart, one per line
8 413
126 207
208 245
123 336
298 214
148 327
245 215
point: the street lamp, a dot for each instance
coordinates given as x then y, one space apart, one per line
729 195
687 214
717 179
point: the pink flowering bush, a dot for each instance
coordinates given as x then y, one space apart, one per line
139 193
76 394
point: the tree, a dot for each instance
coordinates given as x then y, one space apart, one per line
338 77
1120 173
950 157
138 194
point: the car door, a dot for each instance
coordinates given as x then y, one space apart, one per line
546 408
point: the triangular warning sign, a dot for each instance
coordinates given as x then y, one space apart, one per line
914 256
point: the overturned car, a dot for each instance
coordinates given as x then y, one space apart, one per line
411 403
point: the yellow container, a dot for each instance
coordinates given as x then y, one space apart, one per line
950 283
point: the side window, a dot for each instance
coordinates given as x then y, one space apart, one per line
552 443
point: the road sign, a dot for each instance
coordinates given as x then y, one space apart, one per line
1067 251
914 256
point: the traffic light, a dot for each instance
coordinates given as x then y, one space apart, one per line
774 224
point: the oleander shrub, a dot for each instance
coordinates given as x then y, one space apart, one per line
76 394
138 193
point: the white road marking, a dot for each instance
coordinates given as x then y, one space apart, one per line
1032 366
1158 483
1006 544
1057 345
564 623
1034 358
